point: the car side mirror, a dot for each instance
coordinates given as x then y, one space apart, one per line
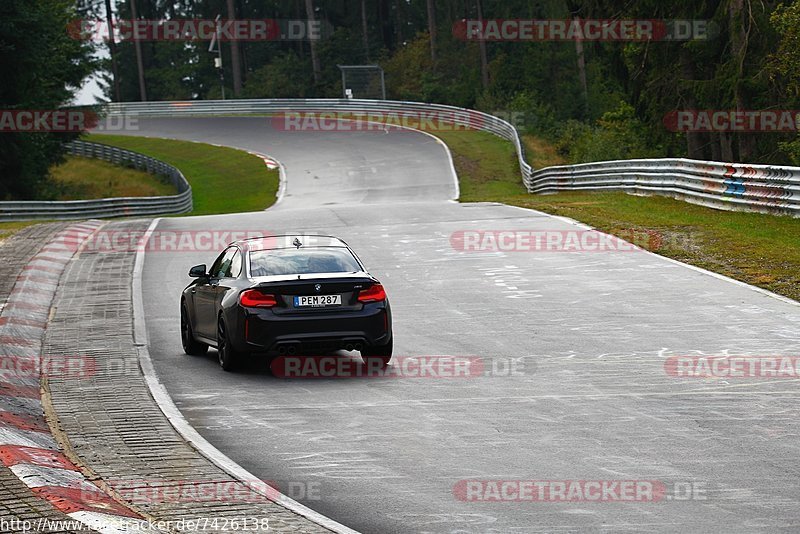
198 271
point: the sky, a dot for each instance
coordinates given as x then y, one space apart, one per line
91 89
89 92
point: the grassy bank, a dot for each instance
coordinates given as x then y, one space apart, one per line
7 229
763 250
223 180
85 178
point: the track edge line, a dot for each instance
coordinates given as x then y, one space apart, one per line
182 426
765 292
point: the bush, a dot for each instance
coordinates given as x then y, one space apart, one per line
617 134
285 77
537 117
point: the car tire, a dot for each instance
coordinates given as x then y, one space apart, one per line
379 353
229 358
191 346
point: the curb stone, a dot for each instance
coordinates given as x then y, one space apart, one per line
27 446
110 418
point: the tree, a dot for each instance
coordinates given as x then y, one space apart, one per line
365 28
139 63
552 81
784 63
314 58
483 51
112 50
43 67
431 9
236 66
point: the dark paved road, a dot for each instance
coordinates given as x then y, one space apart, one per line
588 332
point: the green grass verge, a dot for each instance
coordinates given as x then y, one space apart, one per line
223 180
763 250
85 178
7 229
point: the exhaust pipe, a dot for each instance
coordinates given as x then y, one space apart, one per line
358 347
291 350
348 347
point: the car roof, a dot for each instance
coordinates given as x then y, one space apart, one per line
277 242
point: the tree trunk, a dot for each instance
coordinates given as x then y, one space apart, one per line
385 23
432 28
297 8
482 47
137 46
399 23
312 43
694 140
236 65
726 146
737 19
715 144
112 50
364 27
582 72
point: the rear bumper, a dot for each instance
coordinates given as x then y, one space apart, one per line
266 331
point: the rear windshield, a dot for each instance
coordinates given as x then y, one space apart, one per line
302 261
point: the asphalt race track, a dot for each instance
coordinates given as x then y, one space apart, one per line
588 335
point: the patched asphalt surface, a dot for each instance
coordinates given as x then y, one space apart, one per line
588 335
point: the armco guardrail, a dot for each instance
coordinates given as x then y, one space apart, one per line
420 110
720 185
107 207
727 186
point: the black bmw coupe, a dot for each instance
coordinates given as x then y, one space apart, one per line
285 295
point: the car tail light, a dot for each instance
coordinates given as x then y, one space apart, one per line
253 298
375 293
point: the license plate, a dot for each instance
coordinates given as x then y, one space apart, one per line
318 301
